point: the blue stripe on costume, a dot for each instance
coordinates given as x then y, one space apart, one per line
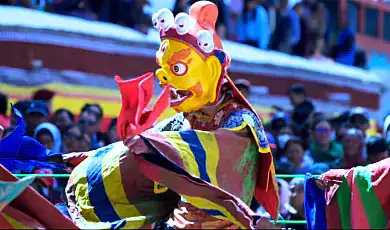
96 191
196 147
212 212
314 204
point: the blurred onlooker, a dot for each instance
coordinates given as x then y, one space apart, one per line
302 106
294 159
386 128
377 149
133 15
45 95
360 119
284 194
36 114
22 107
317 52
90 121
272 143
253 26
317 23
301 48
244 86
287 32
344 51
279 121
235 10
323 148
353 144
49 136
75 140
4 119
180 6
63 119
342 131
296 208
360 59
112 134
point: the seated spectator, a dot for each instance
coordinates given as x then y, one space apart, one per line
45 95
36 114
63 119
49 136
377 149
295 208
244 86
284 195
294 159
353 144
253 26
342 131
278 122
302 106
322 148
112 134
287 32
4 119
90 121
75 140
360 119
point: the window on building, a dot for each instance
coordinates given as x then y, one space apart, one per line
386 26
371 21
353 16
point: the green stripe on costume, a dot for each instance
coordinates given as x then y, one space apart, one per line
344 202
373 209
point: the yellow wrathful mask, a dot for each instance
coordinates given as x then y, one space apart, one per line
190 56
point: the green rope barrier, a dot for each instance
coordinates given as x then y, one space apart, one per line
282 176
290 221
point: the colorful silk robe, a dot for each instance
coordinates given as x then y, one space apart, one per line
361 201
217 172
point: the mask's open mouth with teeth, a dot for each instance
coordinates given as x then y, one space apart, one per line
179 96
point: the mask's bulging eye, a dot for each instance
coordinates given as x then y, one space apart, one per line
179 69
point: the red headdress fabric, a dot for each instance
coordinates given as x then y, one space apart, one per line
135 117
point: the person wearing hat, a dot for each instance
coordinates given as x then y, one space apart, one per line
45 95
377 149
36 114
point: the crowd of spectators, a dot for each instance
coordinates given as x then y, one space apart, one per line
306 140
303 140
295 27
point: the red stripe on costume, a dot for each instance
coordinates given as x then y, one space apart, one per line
333 215
4 223
380 180
358 214
22 218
